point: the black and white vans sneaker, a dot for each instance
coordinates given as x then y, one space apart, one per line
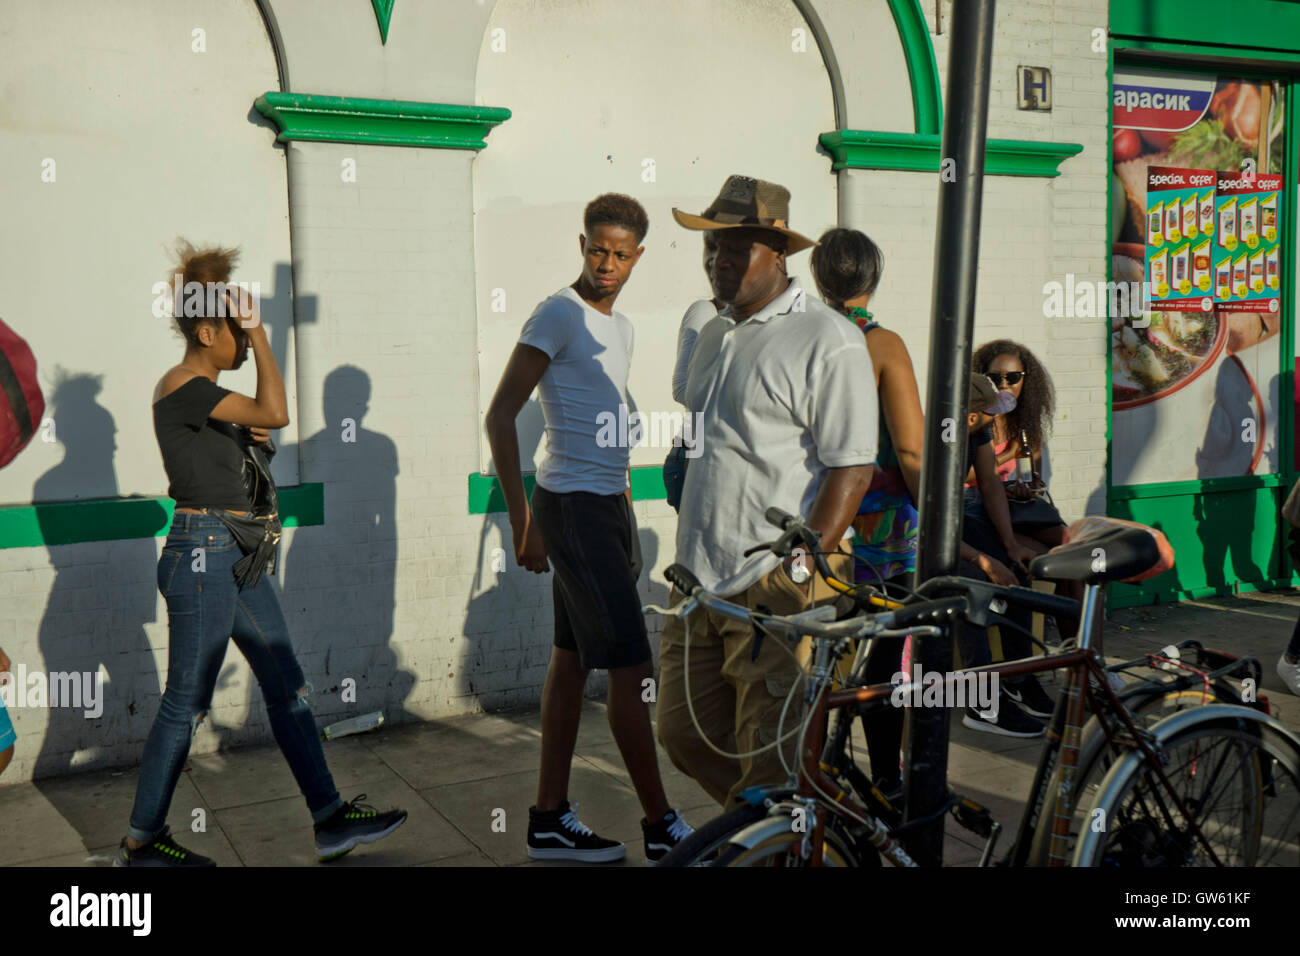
663 836
559 835
1010 720
1031 697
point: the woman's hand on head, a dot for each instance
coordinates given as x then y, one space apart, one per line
243 308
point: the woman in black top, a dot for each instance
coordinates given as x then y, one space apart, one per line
209 599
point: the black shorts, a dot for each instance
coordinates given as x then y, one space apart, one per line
591 542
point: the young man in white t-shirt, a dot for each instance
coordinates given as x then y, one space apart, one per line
576 350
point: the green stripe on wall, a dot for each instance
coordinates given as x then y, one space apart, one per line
485 490
114 519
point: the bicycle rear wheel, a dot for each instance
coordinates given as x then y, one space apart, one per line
1148 707
1239 781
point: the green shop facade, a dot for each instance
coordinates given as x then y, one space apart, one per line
1202 427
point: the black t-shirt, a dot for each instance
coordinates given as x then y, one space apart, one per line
204 459
981 437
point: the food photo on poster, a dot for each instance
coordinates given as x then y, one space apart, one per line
1194 213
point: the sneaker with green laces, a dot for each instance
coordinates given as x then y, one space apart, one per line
162 850
352 824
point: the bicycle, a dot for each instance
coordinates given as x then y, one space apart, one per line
830 813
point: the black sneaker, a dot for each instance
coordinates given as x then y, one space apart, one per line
1031 697
559 835
354 823
162 850
663 836
1010 720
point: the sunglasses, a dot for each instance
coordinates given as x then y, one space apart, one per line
1006 378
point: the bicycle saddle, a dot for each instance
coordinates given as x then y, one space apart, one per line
1099 549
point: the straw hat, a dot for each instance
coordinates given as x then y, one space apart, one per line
744 202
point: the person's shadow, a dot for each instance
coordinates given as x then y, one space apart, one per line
1225 521
103 595
339 578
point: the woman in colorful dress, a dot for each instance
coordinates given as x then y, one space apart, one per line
846 267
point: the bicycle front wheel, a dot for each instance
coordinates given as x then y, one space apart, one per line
1239 784
702 846
776 842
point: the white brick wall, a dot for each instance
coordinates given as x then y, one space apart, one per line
1032 230
397 589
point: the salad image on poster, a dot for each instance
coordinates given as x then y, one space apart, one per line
1186 374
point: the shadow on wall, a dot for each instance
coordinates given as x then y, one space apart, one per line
1226 522
509 619
339 578
96 610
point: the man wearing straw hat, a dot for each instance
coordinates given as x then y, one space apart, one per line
786 392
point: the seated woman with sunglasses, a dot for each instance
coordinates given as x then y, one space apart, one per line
1037 524
1014 368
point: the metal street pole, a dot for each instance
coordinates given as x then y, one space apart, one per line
943 466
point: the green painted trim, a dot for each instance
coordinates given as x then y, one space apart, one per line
485 491
1108 259
1173 489
922 69
1290 212
346 119
383 13
114 519
1209 57
919 152
1249 24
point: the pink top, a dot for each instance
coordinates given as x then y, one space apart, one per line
1005 470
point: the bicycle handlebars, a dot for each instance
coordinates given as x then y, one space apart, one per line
921 614
976 603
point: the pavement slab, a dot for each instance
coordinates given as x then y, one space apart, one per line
452 774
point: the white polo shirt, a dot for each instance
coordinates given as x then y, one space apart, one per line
786 395
581 392
696 318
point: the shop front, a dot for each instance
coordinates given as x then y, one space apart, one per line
1203 255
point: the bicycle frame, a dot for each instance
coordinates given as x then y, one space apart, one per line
1063 744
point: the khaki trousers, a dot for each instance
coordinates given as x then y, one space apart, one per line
737 700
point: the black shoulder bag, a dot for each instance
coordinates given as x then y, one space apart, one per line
258 532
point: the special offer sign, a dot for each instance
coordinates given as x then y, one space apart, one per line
1248 245
1180 224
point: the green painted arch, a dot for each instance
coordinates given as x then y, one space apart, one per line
922 69
918 55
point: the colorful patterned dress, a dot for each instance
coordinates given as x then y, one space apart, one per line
885 529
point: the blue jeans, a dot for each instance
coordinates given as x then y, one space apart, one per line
205 609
